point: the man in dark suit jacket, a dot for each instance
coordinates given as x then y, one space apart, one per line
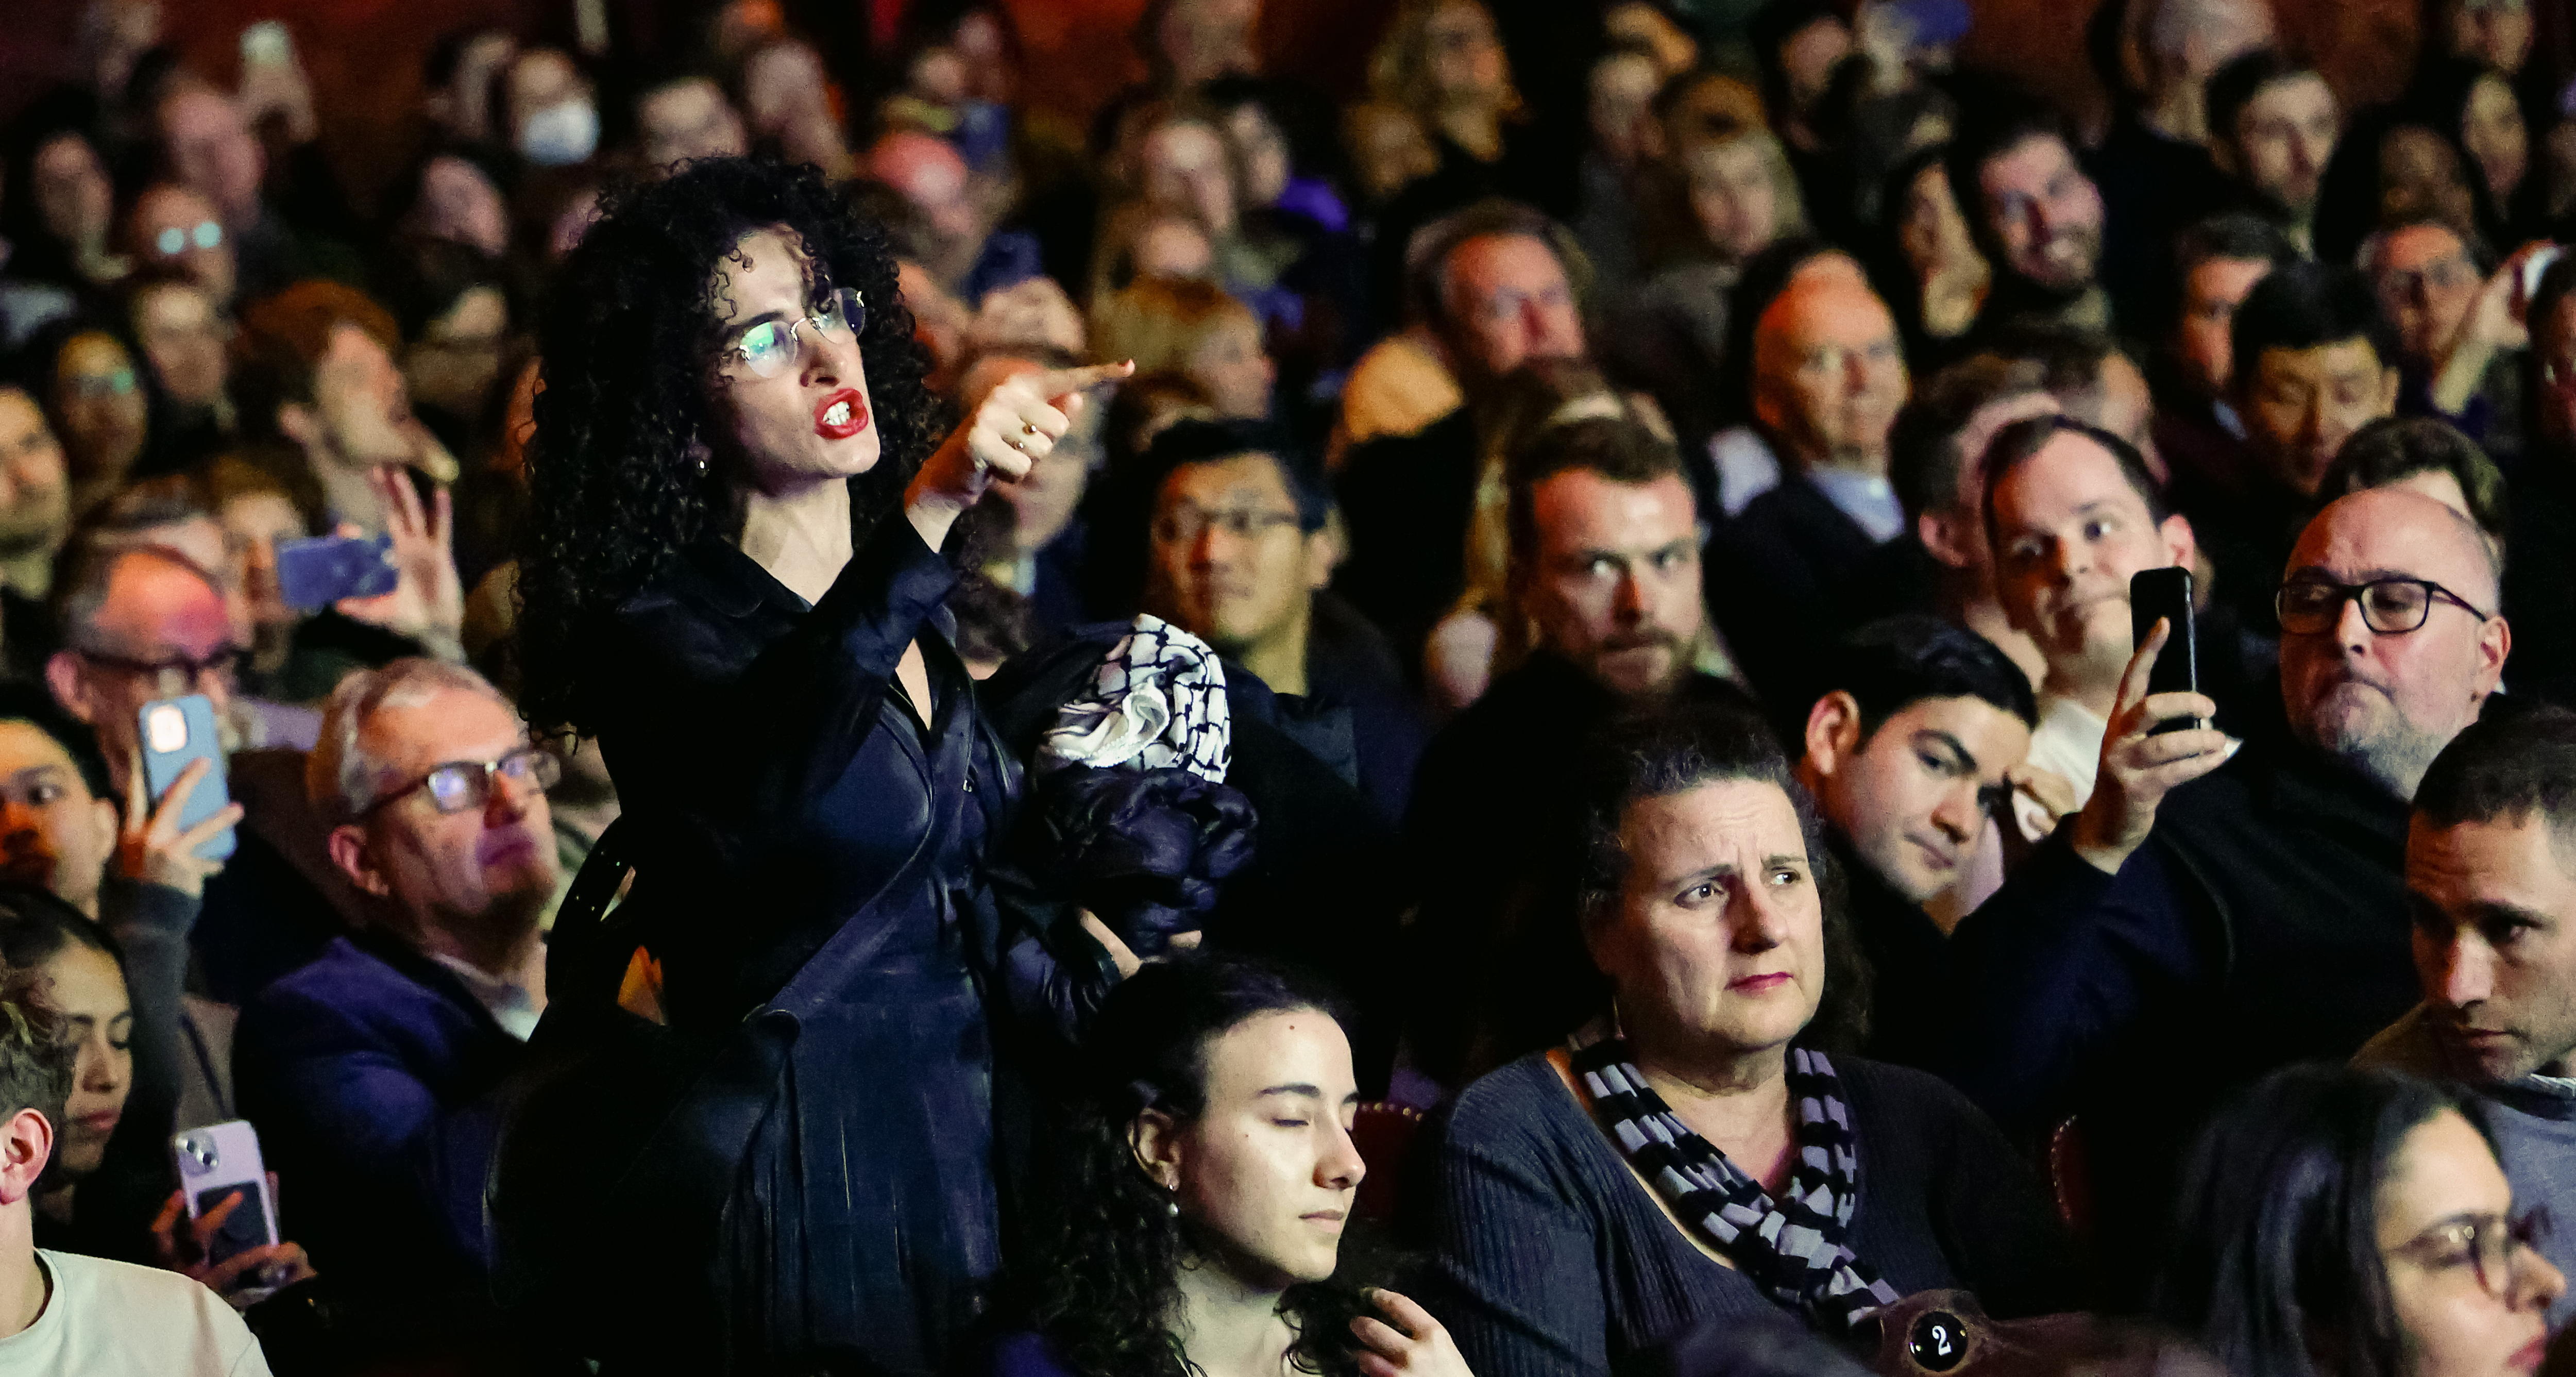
369 1072
1828 377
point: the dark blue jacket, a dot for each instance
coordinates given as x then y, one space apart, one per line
2263 923
368 1074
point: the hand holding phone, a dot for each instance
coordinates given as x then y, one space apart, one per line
216 1163
2139 766
313 574
175 733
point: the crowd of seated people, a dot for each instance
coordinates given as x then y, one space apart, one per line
1480 721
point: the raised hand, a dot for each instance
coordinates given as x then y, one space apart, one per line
428 601
1413 1346
1018 424
150 847
271 1265
2494 323
2140 767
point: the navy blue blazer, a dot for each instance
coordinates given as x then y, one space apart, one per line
368 1074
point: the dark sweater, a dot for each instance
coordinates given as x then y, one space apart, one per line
1551 1258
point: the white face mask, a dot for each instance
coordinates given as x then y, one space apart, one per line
562 134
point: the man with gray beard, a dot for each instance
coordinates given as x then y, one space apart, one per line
2258 917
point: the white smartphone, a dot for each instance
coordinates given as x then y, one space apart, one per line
267 42
2536 265
214 1162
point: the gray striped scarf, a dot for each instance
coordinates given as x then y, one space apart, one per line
1792 1247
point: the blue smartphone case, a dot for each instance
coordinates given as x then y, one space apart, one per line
169 743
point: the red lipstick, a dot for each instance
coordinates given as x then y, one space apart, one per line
850 409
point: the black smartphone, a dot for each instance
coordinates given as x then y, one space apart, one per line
2165 595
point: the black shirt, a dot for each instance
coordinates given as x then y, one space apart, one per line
2263 923
1496 836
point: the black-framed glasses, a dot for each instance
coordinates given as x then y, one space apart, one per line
462 784
2491 1246
1186 522
116 382
2391 607
772 347
179 674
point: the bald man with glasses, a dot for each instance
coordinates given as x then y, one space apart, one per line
2134 974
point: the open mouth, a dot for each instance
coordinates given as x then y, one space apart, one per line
841 415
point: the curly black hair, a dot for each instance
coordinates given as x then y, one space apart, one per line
628 335
1103 1284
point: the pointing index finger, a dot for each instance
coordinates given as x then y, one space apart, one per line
1064 382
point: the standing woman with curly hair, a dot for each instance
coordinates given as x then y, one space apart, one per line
733 581
1204 1186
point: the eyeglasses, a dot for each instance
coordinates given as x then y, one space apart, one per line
1185 523
178 674
462 784
174 240
2490 1245
119 382
771 347
2391 607
2449 275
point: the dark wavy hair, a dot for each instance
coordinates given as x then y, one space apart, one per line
628 335
1103 1285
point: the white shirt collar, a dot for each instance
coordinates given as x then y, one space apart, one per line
511 1007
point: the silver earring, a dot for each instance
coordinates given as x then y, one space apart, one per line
1174 1206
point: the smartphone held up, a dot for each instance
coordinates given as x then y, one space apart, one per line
215 1163
2164 595
175 732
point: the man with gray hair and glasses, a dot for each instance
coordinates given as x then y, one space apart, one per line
2143 965
370 1072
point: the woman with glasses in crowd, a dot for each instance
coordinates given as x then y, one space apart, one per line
732 579
2350 1223
102 402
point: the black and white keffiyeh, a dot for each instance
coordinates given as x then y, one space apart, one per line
1157 703
1792 1247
